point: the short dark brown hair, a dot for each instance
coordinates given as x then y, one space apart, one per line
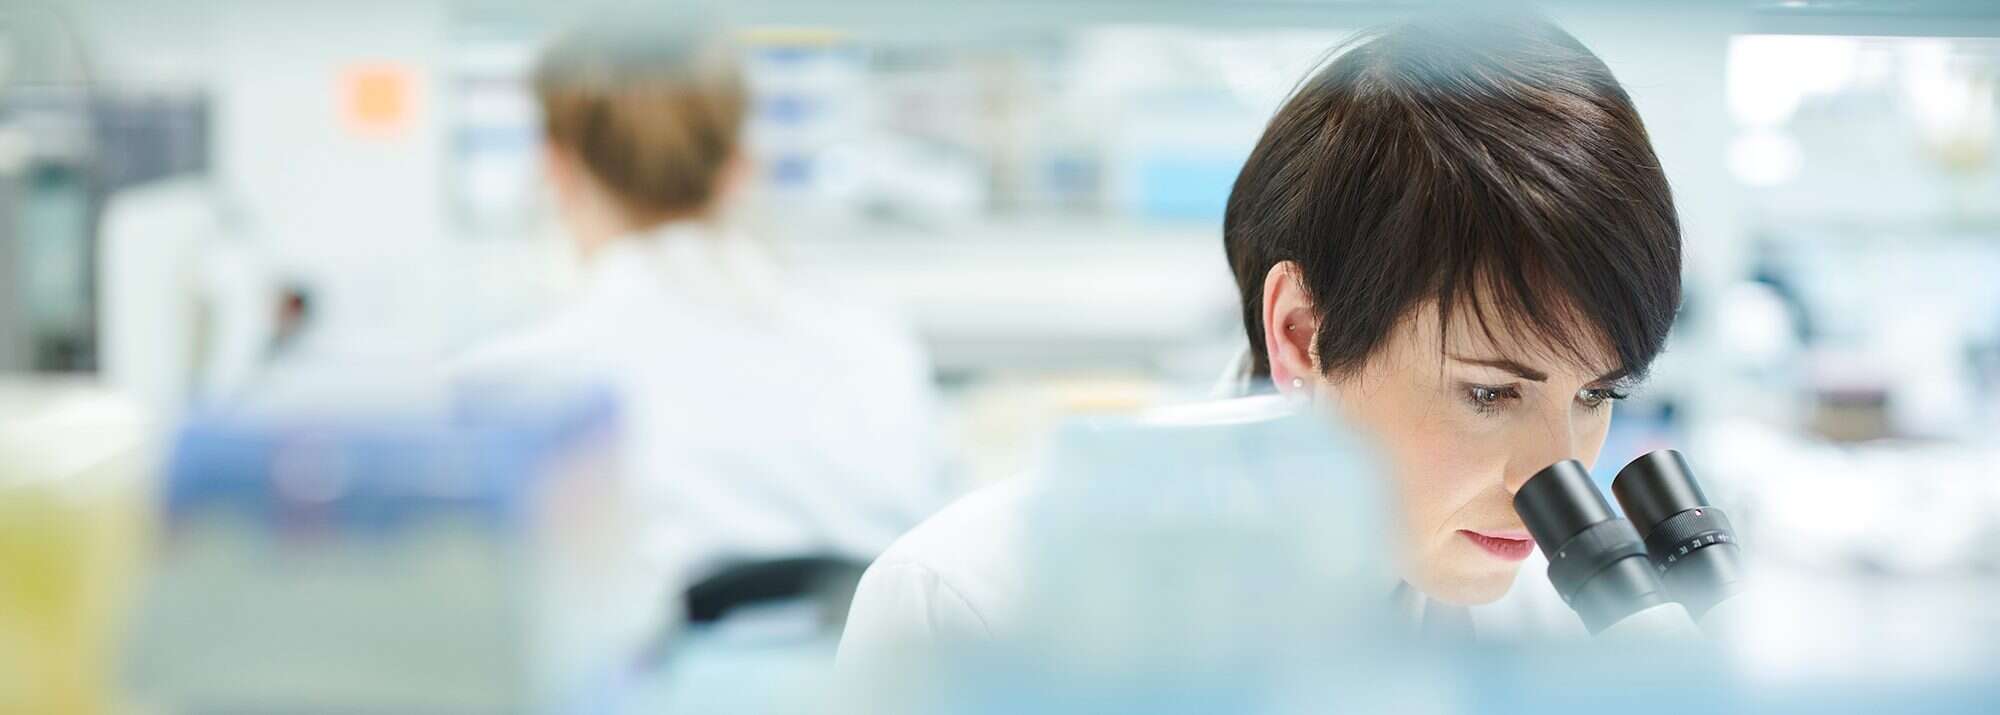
652 104
1489 163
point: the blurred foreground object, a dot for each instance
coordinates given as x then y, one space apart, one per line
71 506
1241 536
474 559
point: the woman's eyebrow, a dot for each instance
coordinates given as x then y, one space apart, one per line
1616 375
1522 371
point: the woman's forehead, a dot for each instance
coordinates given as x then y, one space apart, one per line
1489 333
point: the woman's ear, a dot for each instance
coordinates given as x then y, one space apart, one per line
1290 329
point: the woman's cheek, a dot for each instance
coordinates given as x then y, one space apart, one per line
1445 468
1592 442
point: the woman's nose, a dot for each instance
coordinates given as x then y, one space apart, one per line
1557 442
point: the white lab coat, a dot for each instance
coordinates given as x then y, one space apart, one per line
957 578
762 418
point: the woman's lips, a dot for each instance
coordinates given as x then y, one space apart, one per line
1507 545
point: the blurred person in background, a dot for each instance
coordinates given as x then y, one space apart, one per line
765 419
1456 238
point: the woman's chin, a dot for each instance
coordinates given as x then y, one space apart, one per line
1468 587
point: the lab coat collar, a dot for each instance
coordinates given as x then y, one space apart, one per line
695 261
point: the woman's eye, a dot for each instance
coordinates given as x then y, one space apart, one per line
1594 398
1488 399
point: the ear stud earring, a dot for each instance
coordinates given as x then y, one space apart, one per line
1298 383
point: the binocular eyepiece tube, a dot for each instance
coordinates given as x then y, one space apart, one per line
1691 543
1677 553
1597 561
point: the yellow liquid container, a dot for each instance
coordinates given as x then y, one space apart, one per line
73 461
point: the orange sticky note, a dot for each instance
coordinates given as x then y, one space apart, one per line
376 99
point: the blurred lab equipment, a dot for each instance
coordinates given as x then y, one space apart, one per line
1597 561
68 142
1260 511
47 191
470 556
1246 525
758 582
73 460
1689 540
774 622
496 143
191 310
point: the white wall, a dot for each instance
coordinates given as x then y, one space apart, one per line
361 216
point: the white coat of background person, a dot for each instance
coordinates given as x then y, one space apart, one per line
764 419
